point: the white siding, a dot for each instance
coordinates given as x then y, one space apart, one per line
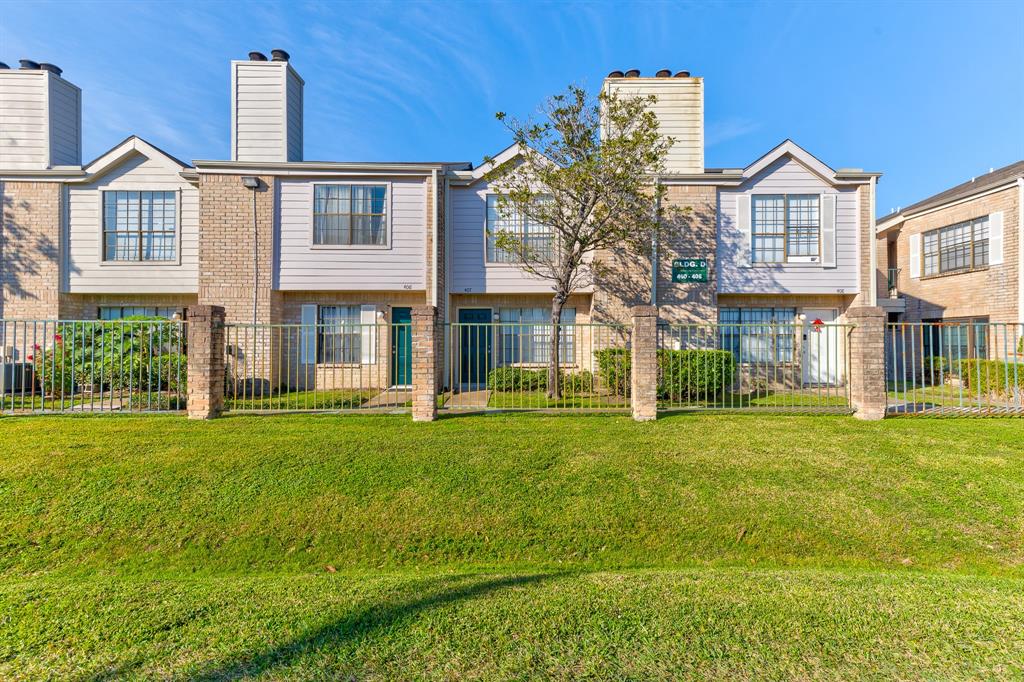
40 121
470 273
398 267
85 270
65 123
787 176
294 122
680 112
23 117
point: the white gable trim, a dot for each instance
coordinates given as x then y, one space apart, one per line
798 153
502 157
124 151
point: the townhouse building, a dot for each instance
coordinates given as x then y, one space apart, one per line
956 258
279 240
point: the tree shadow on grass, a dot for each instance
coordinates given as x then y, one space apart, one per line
353 627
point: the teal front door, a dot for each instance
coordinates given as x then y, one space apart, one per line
401 346
475 331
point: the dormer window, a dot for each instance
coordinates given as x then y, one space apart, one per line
140 226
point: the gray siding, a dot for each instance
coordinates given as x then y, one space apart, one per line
23 114
787 176
294 122
398 267
85 271
259 119
470 273
680 112
65 123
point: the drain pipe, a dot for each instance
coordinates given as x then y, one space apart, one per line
654 240
873 246
253 183
433 284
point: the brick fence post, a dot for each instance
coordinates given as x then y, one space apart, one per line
205 362
425 355
867 361
644 371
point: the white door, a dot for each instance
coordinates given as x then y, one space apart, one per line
823 350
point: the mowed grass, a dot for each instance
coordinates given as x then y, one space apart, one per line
511 546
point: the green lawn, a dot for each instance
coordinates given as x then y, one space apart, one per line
510 546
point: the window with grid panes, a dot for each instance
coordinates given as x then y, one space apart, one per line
526 335
962 246
785 227
139 226
350 215
758 335
339 334
534 237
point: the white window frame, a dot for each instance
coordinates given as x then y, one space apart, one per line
787 259
101 236
494 263
388 199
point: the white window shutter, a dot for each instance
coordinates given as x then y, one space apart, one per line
307 344
995 238
368 330
743 216
828 230
915 256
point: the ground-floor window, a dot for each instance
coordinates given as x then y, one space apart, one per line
525 335
758 335
339 334
118 312
957 339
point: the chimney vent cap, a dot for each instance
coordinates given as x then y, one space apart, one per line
682 74
279 55
633 73
52 68
255 56
664 73
28 65
4 66
615 74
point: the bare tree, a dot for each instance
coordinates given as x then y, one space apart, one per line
582 183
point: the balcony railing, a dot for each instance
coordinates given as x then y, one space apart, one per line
893 280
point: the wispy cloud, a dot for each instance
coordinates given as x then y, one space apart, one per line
717 132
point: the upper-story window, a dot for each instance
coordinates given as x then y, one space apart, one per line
139 226
963 246
534 236
350 215
785 228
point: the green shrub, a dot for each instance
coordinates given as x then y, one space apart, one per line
517 379
578 383
992 377
614 366
685 374
681 373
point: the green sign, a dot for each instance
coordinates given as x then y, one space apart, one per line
689 270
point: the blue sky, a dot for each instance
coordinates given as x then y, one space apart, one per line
928 93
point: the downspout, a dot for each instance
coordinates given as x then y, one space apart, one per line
1020 249
255 261
433 260
654 240
872 245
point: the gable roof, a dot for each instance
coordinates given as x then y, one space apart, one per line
964 190
791 149
126 148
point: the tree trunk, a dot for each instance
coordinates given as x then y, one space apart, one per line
554 375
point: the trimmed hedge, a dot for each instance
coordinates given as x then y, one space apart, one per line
523 379
992 377
681 373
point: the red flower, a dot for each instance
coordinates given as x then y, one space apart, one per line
30 358
58 338
35 346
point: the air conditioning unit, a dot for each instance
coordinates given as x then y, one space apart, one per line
16 377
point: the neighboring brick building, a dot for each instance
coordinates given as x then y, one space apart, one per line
957 256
